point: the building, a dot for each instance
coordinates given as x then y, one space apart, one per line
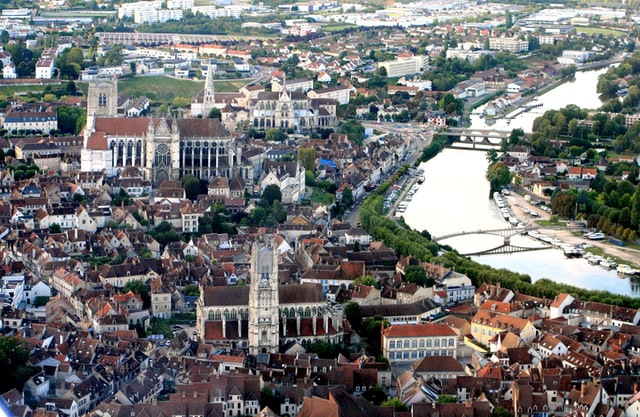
162 148
44 68
486 324
340 93
513 44
266 315
410 342
43 122
402 66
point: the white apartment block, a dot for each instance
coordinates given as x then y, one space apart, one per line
509 44
180 4
215 12
402 67
157 16
128 9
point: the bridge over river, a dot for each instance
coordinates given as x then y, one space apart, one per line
504 248
486 137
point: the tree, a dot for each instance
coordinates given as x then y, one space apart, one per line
270 194
498 176
635 209
347 197
14 354
397 404
501 412
508 19
55 228
375 395
191 290
4 37
447 399
492 156
354 131
215 113
164 233
307 157
275 135
191 186
353 314
416 274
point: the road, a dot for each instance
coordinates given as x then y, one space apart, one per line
419 138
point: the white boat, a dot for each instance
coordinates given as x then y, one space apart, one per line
608 263
595 236
623 269
594 259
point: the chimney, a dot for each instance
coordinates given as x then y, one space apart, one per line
582 389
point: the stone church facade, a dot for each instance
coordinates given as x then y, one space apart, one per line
266 316
162 148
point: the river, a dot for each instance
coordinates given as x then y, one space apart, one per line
454 198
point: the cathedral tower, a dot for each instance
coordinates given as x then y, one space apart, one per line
102 100
263 299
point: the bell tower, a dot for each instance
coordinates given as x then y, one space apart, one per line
263 299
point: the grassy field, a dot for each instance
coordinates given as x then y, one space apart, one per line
165 89
321 197
9 90
337 28
599 31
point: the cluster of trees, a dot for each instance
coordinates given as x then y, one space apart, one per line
354 131
611 206
14 354
608 83
71 119
24 172
202 24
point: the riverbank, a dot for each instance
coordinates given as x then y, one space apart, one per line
625 254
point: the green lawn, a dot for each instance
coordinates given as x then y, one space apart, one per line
548 223
599 31
322 197
9 90
337 28
164 89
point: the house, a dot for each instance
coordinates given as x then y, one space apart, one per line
160 299
288 176
486 324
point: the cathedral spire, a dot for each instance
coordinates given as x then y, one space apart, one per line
209 99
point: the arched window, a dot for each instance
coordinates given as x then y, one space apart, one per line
307 312
210 314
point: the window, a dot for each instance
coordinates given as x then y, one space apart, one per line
422 343
414 344
428 343
406 344
392 345
452 342
102 100
436 343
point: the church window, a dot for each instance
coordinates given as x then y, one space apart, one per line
307 312
216 315
102 100
210 314
299 311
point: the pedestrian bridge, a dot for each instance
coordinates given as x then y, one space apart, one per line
504 248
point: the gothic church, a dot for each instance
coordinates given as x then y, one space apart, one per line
162 148
266 316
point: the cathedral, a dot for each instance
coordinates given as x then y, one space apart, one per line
162 148
266 316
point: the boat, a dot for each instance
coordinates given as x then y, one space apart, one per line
594 259
421 179
572 252
608 263
623 269
595 236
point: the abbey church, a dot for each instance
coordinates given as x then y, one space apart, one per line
162 148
